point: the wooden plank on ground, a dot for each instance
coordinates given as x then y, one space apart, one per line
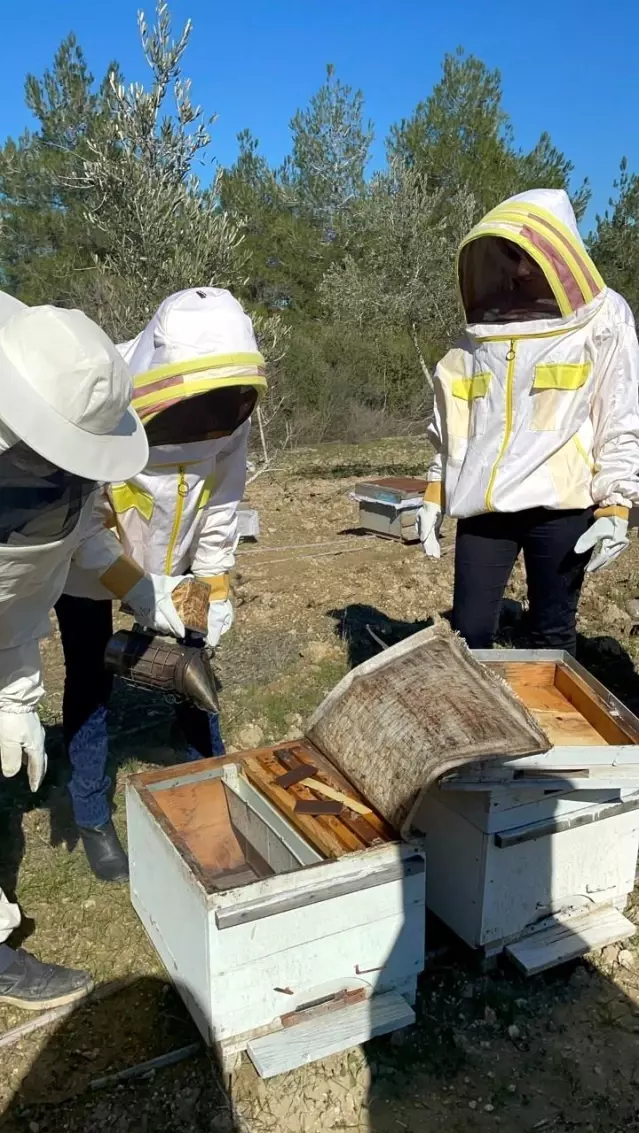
320 1037
569 939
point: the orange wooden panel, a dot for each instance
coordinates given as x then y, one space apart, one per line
200 815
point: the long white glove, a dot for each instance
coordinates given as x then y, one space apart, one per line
22 740
611 533
220 620
429 521
151 602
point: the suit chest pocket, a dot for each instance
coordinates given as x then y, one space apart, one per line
468 405
558 395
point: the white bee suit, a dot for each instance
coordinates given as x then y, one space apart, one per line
179 514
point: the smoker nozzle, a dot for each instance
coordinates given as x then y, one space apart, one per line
199 684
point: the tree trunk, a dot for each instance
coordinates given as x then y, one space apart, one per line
425 371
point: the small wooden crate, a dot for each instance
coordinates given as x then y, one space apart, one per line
287 935
537 856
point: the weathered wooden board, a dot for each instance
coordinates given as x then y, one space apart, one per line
569 939
318 1038
424 707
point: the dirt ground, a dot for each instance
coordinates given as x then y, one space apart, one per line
558 1052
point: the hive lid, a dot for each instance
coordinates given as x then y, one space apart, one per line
420 709
391 489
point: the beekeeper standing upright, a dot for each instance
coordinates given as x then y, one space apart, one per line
536 421
65 425
198 375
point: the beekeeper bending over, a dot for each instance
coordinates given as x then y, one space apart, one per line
65 425
197 374
536 423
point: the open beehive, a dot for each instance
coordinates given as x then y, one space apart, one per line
537 855
275 884
228 824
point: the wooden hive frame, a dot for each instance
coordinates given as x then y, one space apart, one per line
332 835
571 713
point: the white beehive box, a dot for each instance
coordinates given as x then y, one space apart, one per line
388 506
538 855
273 948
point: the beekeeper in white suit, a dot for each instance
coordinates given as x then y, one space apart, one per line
536 421
65 426
198 375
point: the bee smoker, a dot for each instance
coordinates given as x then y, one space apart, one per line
162 664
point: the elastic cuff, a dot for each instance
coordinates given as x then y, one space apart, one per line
122 576
620 512
220 586
434 493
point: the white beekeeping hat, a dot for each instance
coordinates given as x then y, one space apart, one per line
65 391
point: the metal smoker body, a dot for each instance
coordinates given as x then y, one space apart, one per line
160 663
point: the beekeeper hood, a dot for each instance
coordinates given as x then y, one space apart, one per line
65 394
196 367
525 259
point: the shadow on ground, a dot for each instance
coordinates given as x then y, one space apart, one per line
119 1028
557 1053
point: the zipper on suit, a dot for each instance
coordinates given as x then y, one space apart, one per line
510 377
182 493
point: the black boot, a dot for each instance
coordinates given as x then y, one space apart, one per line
34 986
104 851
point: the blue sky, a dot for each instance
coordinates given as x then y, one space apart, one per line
567 67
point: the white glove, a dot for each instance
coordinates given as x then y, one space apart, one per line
429 521
151 602
611 533
220 620
22 740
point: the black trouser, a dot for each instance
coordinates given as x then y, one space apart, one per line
85 629
485 553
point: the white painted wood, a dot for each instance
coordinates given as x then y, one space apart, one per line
381 954
172 908
322 875
564 758
319 1038
264 809
503 809
259 835
490 895
248 910
579 867
570 938
561 823
368 931
293 928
